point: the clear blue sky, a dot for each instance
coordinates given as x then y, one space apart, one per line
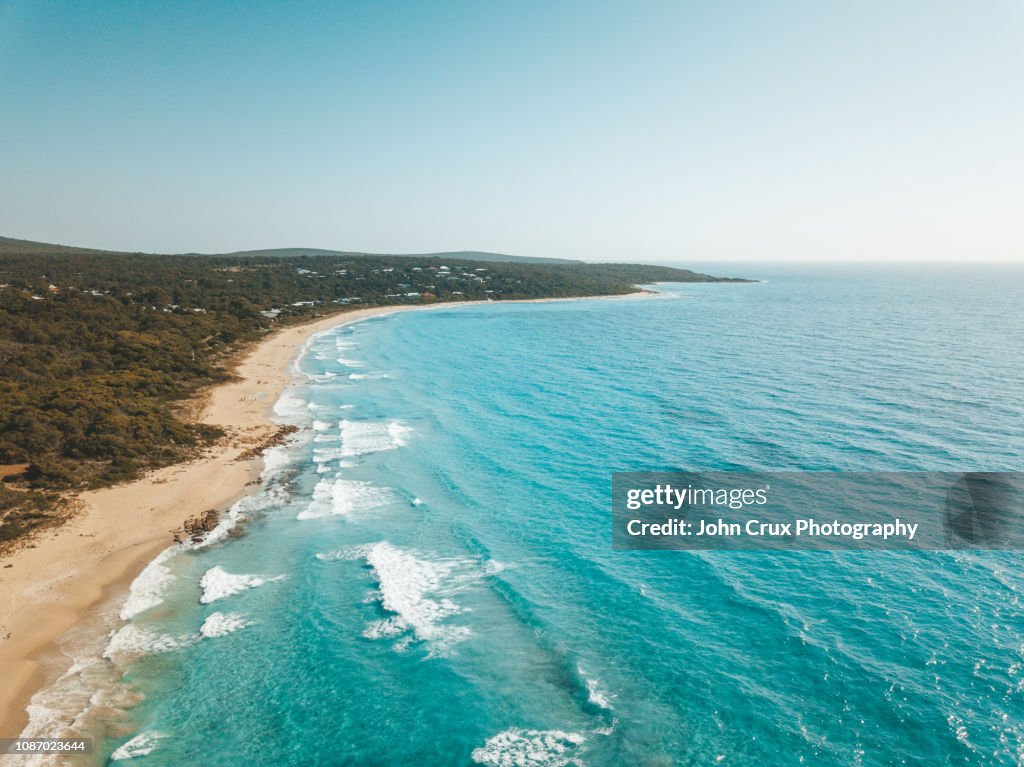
598 130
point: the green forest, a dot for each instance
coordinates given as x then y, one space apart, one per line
98 351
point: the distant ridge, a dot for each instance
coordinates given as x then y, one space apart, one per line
460 255
11 246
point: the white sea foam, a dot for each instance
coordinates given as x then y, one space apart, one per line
364 437
45 720
142 744
339 497
530 748
91 687
220 624
414 589
217 583
290 406
274 460
227 523
266 498
148 589
367 376
53 709
357 552
385 629
322 425
349 363
132 641
595 694
236 515
325 454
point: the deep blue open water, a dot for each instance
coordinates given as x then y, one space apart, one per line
426 575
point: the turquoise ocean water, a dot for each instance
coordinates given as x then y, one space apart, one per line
425 576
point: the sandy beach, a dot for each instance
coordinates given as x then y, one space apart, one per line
57 580
48 586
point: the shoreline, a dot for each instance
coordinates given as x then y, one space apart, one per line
43 594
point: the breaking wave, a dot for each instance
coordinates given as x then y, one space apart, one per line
289 406
133 641
340 497
142 744
417 591
365 437
220 624
148 589
217 583
595 695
